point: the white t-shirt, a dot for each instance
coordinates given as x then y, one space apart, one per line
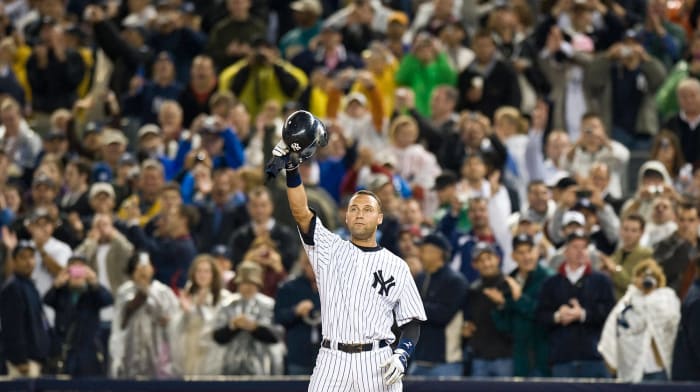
59 251
106 313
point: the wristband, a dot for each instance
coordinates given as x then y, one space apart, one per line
407 346
293 178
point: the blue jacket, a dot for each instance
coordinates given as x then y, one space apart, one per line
686 353
233 155
171 257
145 104
443 293
462 245
577 341
301 350
78 327
25 330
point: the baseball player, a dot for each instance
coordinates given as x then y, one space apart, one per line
362 286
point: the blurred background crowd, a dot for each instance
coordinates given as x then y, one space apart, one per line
538 163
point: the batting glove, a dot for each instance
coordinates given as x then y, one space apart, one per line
281 149
395 367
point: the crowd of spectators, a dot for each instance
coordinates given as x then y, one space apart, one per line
538 164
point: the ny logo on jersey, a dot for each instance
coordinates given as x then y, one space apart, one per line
385 285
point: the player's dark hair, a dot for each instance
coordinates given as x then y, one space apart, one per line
370 194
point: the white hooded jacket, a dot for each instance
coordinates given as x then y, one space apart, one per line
631 326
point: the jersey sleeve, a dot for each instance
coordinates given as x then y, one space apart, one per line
410 305
318 242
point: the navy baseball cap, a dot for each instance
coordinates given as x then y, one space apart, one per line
101 172
220 250
436 239
483 247
565 183
523 239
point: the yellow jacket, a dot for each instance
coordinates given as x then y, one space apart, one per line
386 85
88 59
262 85
145 216
19 67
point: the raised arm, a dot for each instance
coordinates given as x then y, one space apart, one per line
304 133
298 203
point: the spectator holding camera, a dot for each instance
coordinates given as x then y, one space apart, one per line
622 84
264 252
77 297
230 39
140 339
653 181
218 139
106 250
639 333
573 305
596 146
261 76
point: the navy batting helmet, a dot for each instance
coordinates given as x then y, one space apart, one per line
303 133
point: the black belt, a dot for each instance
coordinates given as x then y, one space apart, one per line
354 347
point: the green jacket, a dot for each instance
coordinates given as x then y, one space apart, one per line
530 343
667 96
622 278
424 78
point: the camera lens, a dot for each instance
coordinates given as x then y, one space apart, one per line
649 282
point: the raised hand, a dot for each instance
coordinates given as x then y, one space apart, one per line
281 149
9 239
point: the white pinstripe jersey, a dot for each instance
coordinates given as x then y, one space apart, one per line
360 289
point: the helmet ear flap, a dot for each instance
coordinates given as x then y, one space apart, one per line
321 134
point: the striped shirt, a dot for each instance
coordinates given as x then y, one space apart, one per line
361 289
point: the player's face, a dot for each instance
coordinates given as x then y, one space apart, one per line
363 217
